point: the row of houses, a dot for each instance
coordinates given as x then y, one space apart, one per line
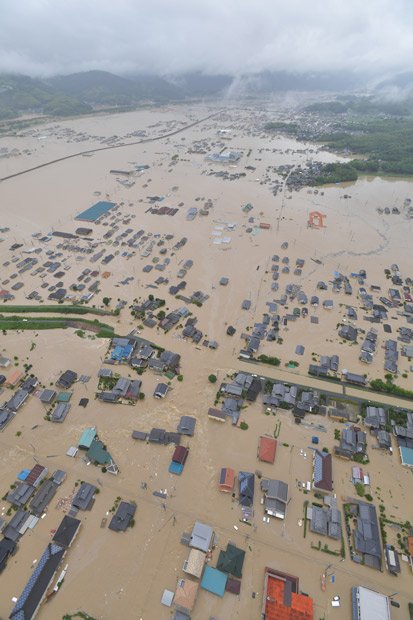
30 497
185 427
124 390
225 577
140 354
404 438
10 407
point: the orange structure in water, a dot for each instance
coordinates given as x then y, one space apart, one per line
316 220
282 600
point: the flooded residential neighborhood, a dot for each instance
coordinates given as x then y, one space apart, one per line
307 295
206 311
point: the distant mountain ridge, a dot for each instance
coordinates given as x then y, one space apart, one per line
81 93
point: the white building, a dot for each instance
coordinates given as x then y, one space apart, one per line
368 604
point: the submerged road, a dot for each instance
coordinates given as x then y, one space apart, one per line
108 148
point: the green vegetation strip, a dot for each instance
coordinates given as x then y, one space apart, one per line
388 387
14 323
305 517
58 309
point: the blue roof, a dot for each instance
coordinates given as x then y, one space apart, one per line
87 437
64 397
95 211
175 468
214 581
407 455
120 353
23 474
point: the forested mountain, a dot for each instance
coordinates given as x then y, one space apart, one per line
80 93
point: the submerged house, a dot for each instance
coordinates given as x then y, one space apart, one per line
84 498
202 537
367 542
246 488
322 471
98 454
35 590
226 480
122 518
325 521
266 449
195 563
275 497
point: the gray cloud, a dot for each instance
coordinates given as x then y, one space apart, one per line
45 37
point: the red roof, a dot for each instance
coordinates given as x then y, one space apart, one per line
34 474
233 586
180 454
266 449
282 604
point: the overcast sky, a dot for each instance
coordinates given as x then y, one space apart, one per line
45 37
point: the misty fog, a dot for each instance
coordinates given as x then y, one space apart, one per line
48 37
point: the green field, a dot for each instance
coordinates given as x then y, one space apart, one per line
58 309
14 323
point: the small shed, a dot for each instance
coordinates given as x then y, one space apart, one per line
233 586
167 598
23 474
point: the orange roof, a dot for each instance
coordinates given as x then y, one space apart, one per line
226 480
410 545
266 449
106 274
186 593
14 377
301 607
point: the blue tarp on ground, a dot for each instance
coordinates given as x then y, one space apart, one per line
175 468
95 211
214 581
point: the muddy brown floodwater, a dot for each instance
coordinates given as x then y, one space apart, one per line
123 575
